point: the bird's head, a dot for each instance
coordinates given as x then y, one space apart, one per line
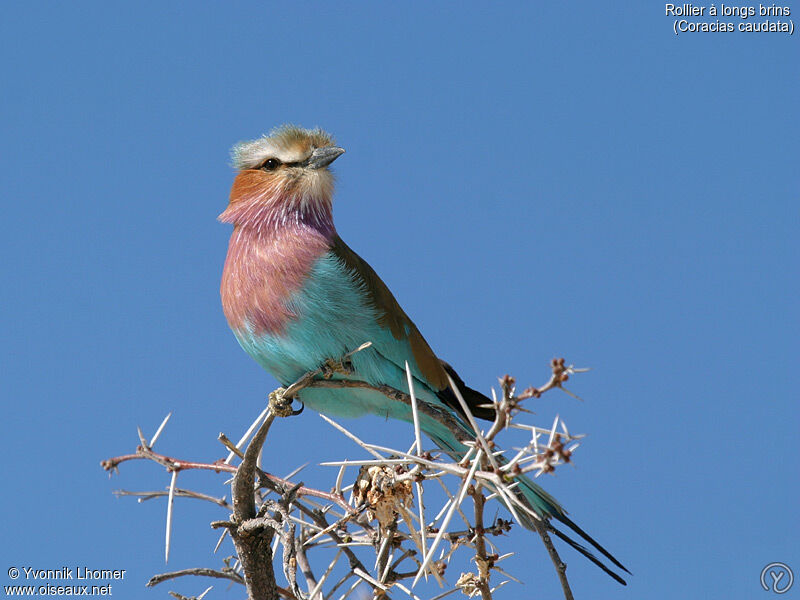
283 177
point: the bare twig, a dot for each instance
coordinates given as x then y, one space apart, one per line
179 493
269 512
560 566
252 543
227 573
482 560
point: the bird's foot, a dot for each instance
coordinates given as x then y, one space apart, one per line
340 366
280 405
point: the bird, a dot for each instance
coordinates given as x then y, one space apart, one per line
297 298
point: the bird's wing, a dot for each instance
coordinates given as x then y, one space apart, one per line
477 402
391 316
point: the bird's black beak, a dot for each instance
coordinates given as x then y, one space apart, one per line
322 157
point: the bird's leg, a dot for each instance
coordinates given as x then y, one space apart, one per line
343 366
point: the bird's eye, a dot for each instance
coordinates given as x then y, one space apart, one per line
271 164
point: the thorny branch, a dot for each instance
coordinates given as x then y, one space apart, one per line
226 573
316 529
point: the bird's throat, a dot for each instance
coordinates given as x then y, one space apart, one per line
268 206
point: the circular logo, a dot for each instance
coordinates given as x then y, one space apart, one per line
777 577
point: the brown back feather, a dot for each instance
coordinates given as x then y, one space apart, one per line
391 315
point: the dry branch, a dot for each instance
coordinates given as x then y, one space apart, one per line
387 516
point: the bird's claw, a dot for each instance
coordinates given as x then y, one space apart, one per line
280 405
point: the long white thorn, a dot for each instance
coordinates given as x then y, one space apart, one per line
353 437
553 432
399 585
498 586
203 595
338 487
313 594
366 577
364 463
220 540
388 566
351 589
275 544
450 468
295 472
379 553
422 526
159 430
471 419
248 433
442 529
460 512
419 543
170 503
414 412
507 574
445 594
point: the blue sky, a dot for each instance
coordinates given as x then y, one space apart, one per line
531 181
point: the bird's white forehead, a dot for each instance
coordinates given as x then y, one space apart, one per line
249 155
287 144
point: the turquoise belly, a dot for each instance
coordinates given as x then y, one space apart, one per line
333 319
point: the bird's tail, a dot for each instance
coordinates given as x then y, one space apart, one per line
544 505
546 508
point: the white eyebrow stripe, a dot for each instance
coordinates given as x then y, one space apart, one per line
249 155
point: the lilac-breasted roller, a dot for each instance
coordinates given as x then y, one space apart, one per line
297 297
